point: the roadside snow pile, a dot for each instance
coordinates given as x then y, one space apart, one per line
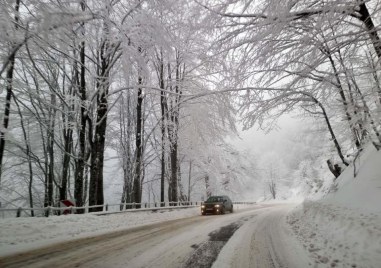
344 228
20 234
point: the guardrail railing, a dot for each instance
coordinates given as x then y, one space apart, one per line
50 210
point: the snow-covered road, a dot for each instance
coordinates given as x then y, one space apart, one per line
253 237
264 240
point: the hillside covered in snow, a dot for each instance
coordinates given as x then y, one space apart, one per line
343 228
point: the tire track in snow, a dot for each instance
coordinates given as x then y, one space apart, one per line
206 253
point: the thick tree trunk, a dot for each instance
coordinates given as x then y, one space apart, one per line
79 174
98 145
139 151
127 186
6 112
78 184
51 130
173 132
68 136
174 179
49 155
125 140
163 106
162 162
8 98
369 25
97 156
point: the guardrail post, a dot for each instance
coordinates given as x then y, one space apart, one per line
18 214
47 212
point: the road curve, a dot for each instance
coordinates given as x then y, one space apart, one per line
265 241
189 242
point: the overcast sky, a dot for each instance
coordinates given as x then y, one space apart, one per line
258 142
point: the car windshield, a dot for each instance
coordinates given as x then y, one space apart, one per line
214 199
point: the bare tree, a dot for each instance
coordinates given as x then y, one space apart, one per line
9 89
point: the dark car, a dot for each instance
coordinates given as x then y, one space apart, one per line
217 205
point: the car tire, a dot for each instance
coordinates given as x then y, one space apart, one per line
223 210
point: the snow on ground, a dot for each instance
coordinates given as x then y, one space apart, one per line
20 234
343 229
264 240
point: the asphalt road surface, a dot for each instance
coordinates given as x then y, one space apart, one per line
251 237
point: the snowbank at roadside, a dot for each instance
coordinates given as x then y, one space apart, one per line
20 234
343 229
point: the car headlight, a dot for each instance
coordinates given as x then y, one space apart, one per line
216 206
203 206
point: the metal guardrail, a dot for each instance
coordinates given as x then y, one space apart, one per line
48 211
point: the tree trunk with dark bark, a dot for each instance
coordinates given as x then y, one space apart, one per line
371 29
334 168
333 136
98 145
164 110
80 165
173 130
68 140
139 148
174 182
125 140
8 97
50 148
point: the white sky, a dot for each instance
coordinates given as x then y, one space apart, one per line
258 142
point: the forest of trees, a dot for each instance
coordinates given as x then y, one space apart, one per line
163 83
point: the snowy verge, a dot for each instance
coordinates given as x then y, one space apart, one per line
142 209
21 234
343 229
26 233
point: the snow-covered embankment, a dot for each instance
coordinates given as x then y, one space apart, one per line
343 229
